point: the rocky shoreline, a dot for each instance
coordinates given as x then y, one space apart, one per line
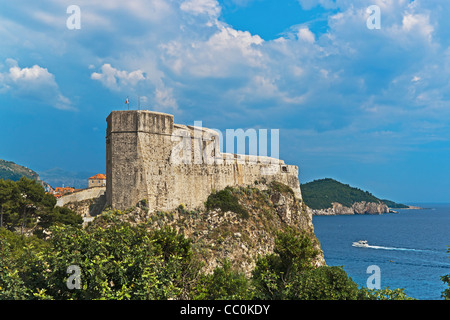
362 207
410 208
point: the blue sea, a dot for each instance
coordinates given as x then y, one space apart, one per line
409 247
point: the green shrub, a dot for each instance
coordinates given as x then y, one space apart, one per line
275 274
323 283
280 187
223 284
382 294
225 200
11 285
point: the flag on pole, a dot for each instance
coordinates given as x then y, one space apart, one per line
126 101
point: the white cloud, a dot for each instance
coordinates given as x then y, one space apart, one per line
226 53
300 71
35 83
196 7
49 18
136 83
164 50
116 79
31 75
306 34
419 24
164 99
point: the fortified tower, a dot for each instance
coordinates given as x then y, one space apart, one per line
149 157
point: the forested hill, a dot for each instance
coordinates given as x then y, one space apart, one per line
12 171
320 194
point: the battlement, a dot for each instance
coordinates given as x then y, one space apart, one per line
149 157
139 121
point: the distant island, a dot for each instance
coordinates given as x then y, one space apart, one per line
329 197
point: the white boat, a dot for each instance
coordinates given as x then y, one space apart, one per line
361 243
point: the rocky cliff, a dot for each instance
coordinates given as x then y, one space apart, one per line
361 207
218 234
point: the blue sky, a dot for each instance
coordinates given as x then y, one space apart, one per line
368 107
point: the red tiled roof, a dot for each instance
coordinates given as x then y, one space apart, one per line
66 189
58 192
99 176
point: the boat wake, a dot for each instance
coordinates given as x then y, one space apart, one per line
364 244
392 248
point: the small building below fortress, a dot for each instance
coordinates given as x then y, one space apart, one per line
150 158
99 180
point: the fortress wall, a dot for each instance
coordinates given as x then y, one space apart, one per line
150 157
194 183
85 194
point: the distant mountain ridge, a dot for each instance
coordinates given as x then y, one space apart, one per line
324 194
55 177
59 177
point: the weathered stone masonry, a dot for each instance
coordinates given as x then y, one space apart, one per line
146 159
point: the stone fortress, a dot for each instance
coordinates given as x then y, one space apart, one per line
150 158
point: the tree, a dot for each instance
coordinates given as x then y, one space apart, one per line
31 201
293 254
180 266
57 216
323 283
9 203
223 284
25 204
11 285
13 247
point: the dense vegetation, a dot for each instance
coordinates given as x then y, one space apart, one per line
125 262
392 204
118 260
26 207
320 194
